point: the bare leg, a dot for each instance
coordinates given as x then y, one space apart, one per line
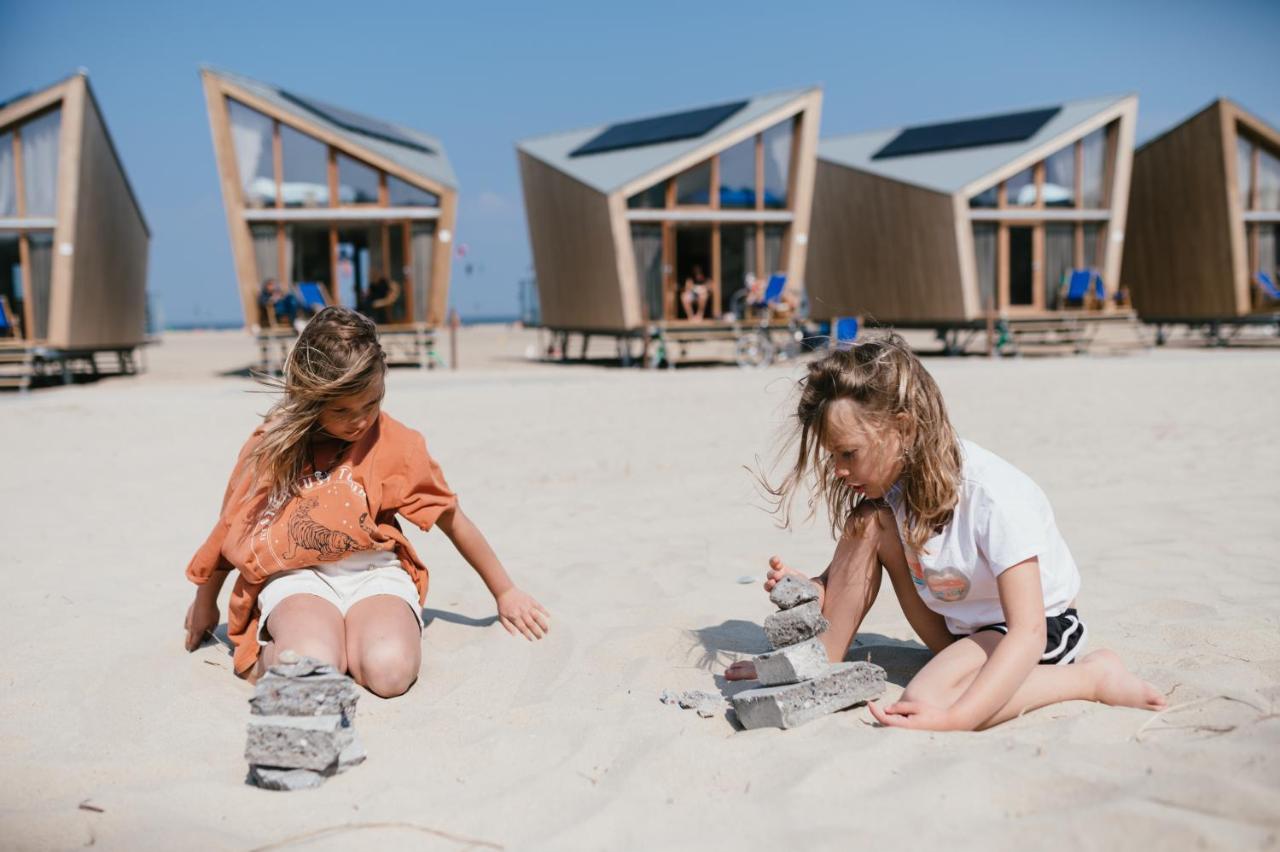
384 645
686 299
1099 676
308 625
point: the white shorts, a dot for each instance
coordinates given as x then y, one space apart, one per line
342 585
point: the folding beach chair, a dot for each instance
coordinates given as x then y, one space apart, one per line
10 325
844 331
1267 290
1084 288
772 297
313 296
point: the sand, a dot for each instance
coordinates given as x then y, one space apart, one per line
620 500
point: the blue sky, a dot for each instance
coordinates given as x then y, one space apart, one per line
481 75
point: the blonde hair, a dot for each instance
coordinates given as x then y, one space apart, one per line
893 390
337 355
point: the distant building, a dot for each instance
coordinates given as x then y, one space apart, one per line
620 215
73 241
1206 204
926 226
318 194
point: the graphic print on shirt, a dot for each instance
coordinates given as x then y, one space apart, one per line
947 585
328 544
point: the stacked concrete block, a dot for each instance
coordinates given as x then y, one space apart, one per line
300 731
798 684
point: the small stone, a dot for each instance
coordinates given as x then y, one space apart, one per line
705 704
353 755
300 666
793 663
746 580
297 742
273 778
843 685
791 591
789 626
669 697
322 694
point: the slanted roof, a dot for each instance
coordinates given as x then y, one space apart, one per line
950 171
610 170
418 152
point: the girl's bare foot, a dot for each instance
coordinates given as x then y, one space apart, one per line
741 670
1119 687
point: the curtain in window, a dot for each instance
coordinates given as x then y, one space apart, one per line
1059 251
8 184
40 163
1244 166
1094 169
422 244
984 253
288 258
251 139
1093 234
773 235
40 252
266 251
1268 181
777 163
646 243
1267 250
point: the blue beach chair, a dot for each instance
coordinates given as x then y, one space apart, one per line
844 332
1266 287
313 295
9 324
1084 288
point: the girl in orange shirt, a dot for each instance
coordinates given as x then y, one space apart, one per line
309 522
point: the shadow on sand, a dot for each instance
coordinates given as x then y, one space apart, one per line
429 615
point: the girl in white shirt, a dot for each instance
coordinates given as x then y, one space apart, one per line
969 543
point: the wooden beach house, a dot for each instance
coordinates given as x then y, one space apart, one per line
1203 246
334 206
73 241
942 225
623 216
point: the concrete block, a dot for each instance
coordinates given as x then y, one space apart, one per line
297 742
843 685
320 694
795 625
289 664
802 661
791 591
271 778
705 704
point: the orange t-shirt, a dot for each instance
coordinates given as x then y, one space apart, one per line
352 508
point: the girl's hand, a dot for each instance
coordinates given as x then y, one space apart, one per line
777 570
202 618
914 714
519 611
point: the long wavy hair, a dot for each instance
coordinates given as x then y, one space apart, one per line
337 355
886 381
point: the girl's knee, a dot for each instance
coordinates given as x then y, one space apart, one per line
386 669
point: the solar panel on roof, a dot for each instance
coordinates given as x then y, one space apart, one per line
663 128
971 133
357 123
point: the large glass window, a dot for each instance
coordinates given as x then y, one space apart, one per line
357 183
1020 190
774 235
40 256
1244 169
1060 178
984 253
312 258
986 198
306 170
738 175
737 265
251 140
646 244
1268 181
653 198
1059 256
8 183
694 186
777 163
40 162
11 289
266 251
422 236
402 194
1095 169
1093 248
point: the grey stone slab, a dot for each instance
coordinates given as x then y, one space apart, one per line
843 685
793 663
272 778
289 664
297 742
309 695
705 704
797 624
353 755
791 591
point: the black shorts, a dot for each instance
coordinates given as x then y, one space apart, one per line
1066 635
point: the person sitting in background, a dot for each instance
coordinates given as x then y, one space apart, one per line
279 305
382 294
695 295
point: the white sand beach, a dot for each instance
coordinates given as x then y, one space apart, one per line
619 498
